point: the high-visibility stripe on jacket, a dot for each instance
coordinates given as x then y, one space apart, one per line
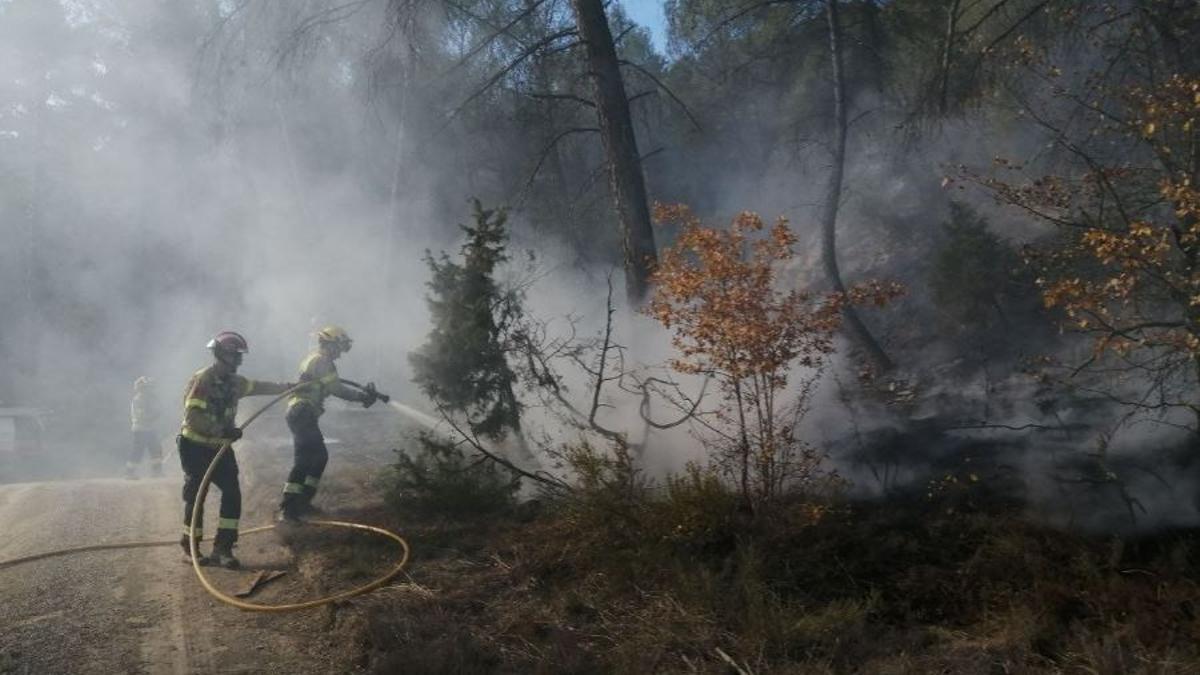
211 441
210 403
319 370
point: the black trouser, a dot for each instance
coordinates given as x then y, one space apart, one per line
195 458
145 442
309 460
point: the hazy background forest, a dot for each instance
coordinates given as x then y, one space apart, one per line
940 416
174 168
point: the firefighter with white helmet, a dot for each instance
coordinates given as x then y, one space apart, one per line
305 407
210 411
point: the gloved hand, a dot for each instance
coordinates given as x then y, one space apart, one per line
233 434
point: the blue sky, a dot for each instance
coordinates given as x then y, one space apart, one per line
649 13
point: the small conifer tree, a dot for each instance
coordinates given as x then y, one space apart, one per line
463 366
973 271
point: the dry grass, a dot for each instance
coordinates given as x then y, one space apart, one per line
681 581
871 589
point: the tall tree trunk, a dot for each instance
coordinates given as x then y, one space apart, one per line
743 444
829 213
947 55
620 148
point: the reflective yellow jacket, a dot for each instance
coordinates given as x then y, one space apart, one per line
320 370
143 411
210 404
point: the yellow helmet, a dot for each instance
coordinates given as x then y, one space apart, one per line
335 335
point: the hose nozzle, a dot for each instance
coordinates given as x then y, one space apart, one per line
368 388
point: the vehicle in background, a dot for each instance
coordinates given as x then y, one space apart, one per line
22 435
21 431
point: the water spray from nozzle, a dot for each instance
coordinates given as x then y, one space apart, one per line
413 414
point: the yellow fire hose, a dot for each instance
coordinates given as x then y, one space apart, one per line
217 593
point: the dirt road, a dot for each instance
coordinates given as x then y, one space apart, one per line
142 610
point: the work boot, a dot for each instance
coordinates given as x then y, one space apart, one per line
222 552
305 509
289 516
187 551
224 558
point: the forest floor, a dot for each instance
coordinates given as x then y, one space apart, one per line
953 580
871 589
917 586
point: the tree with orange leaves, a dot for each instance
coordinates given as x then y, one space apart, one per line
1124 267
718 291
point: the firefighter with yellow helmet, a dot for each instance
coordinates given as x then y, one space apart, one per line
305 407
209 421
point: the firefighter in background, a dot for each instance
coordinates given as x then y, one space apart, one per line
304 409
144 420
210 410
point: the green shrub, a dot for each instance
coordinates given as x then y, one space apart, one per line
699 512
442 479
609 496
609 477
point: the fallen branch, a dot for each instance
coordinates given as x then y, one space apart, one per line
473 441
741 670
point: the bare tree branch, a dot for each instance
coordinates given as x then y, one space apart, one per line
608 323
983 19
1016 24
650 76
739 13
538 356
502 30
329 16
560 97
595 174
470 438
545 154
499 75
690 408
